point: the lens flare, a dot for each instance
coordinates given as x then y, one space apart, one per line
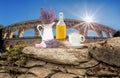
88 19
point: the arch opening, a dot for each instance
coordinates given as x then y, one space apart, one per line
92 33
54 31
15 35
104 34
29 33
70 30
111 35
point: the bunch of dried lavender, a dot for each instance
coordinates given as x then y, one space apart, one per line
46 17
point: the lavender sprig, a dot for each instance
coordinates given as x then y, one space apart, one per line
46 17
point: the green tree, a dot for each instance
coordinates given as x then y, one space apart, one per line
117 34
1 26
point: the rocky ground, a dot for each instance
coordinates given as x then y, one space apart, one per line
96 60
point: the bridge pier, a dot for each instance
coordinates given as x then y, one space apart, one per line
37 34
99 33
21 32
4 35
107 34
11 35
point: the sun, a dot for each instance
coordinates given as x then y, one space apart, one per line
88 19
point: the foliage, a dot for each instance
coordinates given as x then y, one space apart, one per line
46 17
117 34
13 59
1 26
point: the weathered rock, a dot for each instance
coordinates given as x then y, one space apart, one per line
5 75
51 66
40 72
62 69
88 64
103 70
107 51
19 69
32 63
55 55
76 71
3 71
63 75
26 76
81 54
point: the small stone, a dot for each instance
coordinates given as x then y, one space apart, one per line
76 71
62 69
19 69
27 76
51 66
24 70
40 72
5 75
88 64
82 55
103 70
2 71
63 75
32 63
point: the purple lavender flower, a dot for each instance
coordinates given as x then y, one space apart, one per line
46 17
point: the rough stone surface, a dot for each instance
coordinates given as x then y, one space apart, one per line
76 71
104 70
23 69
88 64
27 76
100 60
55 55
40 72
107 51
5 75
51 66
63 75
32 63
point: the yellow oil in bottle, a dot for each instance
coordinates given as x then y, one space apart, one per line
60 32
61 28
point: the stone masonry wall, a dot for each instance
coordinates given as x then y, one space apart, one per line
94 60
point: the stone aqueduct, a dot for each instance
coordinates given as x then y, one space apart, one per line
9 31
21 27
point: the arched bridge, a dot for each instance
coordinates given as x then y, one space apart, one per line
81 26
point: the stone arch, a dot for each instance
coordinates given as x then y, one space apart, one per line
69 30
111 35
31 24
31 33
7 36
91 33
15 35
108 34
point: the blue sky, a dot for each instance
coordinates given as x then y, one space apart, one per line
105 12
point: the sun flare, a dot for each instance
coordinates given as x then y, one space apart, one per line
88 19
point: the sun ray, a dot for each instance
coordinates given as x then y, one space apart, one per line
85 29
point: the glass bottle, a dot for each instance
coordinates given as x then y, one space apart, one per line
61 27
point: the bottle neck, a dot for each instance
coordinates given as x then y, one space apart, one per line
61 19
